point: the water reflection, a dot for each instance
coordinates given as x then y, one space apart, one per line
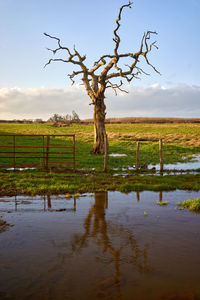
96 211
160 196
115 240
49 201
100 247
34 204
138 196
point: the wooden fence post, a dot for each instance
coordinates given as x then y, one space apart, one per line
161 155
74 151
137 156
105 153
14 150
43 150
47 152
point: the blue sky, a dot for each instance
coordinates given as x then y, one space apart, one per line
89 25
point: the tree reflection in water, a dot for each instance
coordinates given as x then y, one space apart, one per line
113 239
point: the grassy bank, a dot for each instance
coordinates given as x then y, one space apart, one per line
35 182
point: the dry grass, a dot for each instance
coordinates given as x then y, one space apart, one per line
131 120
184 134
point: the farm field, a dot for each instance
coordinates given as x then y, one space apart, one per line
180 143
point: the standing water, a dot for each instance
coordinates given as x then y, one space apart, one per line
101 246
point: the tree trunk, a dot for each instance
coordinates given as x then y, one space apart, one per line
99 126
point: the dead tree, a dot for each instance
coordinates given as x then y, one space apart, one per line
99 78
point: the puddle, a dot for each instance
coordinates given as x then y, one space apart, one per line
106 246
117 154
192 167
20 169
194 164
36 204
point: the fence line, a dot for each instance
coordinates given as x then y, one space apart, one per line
137 163
137 156
44 152
161 154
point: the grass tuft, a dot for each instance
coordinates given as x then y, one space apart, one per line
162 203
126 188
191 204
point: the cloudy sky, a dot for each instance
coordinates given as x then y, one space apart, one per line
27 90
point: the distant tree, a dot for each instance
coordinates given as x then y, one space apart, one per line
27 121
38 121
67 118
56 118
75 117
97 83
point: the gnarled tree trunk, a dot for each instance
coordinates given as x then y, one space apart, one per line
99 126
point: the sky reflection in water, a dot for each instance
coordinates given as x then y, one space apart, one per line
100 247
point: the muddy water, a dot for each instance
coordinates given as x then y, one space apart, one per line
105 246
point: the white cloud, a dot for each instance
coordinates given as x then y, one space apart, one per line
158 101
151 101
42 102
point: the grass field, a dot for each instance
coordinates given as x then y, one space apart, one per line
180 142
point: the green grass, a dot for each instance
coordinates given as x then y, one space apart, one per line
36 182
191 204
162 203
180 142
89 177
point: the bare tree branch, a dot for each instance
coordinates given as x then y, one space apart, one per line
76 59
100 63
117 38
129 75
58 41
71 76
142 71
116 86
103 57
55 59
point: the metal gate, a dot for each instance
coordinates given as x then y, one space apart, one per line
43 151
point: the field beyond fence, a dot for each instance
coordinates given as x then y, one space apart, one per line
180 142
145 120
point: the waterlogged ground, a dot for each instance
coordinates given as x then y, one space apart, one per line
101 246
194 164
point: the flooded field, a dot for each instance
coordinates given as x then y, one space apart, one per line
194 164
102 246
